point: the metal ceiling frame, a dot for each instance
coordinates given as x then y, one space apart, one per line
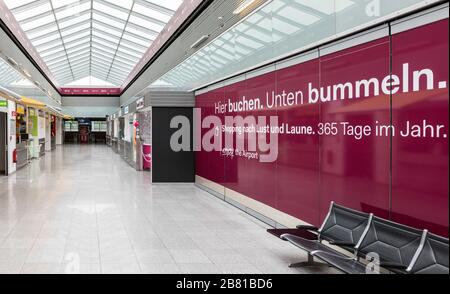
63 46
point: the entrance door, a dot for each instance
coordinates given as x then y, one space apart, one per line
84 135
3 143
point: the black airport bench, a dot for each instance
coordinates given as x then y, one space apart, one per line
342 227
373 243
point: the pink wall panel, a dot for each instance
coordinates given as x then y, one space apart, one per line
355 173
298 160
244 175
250 177
402 178
210 165
420 165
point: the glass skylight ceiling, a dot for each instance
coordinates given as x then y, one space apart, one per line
104 39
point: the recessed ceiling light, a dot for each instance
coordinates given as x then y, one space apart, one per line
200 41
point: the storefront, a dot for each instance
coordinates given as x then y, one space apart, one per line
144 132
6 144
143 135
22 136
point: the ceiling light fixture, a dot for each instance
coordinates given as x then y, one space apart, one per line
199 41
12 62
246 4
25 72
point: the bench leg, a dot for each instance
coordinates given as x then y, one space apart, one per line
311 262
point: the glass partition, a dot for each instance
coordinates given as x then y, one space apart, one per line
279 28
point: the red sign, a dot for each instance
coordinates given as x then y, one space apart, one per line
90 91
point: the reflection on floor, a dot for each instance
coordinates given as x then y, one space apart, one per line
82 209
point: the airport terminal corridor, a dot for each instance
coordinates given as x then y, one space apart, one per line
84 203
224 137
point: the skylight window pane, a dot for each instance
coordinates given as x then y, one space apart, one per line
51 60
132 46
136 40
102 35
32 12
42 32
73 21
100 68
53 53
77 55
101 58
47 39
129 52
102 52
124 64
80 57
16 3
76 29
77 43
151 13
97 74
122 3
57 64
78 49
50 47
172 4
38 22
107 30
68 3
146 24
119 72
127 57
72 10
143 33
113 12
104 49
77 36
103 43
125 61
60 65
108 20
121 68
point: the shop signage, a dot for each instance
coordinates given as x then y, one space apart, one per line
126 110
20 109
3 103
140 103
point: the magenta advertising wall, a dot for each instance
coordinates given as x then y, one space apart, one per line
400 173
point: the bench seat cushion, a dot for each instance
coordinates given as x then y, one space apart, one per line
307 245
342 262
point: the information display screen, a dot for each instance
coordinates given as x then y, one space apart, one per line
99 126
71 126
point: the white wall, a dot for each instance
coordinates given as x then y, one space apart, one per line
59 131
128 128
116 128
90 106
48 134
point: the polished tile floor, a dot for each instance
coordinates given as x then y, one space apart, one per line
82 209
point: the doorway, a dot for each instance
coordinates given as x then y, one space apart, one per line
3 143
84 134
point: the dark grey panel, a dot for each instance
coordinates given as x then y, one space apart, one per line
170 166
